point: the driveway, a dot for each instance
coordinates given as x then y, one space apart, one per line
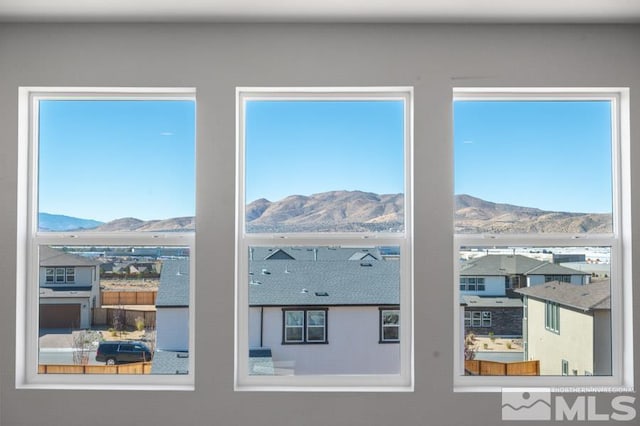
56 338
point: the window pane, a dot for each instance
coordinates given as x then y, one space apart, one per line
568 320
133 294
391 333
116 165
390 317
294 334
315 318
295 318
324 166
533 166
351 283
315 334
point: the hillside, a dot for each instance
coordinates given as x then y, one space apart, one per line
344 211
473 215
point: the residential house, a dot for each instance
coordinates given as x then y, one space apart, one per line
494 274
486 284
172 319
567 327
69 289
325 310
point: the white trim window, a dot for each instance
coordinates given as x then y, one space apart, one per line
314 138
74 123
552 316
509 137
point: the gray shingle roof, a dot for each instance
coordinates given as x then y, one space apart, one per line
170 362
173 289
490 302
66 291
507 264
53 257
596 295
345 282
313 253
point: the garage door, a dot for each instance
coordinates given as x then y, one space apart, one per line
60 316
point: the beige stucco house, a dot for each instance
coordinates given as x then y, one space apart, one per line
567 327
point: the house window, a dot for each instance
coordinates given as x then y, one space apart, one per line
304 209
305 326
560 278
565 367
552 317
389 325
138 147
532 219
472 284
477 319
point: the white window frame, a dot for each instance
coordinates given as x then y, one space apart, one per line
619 240
404 381
29 238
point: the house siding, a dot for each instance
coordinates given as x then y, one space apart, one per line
174 324
353 344
574 343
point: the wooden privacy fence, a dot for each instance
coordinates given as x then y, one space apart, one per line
105 316
492 368
134 368
128 297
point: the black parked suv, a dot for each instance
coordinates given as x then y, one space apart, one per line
115 352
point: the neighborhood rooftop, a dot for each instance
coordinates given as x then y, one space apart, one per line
57 257
314 253
347 277
596 295
173 290
490 302
513 264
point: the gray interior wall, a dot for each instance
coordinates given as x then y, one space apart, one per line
217 58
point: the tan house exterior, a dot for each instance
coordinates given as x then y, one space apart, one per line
567 327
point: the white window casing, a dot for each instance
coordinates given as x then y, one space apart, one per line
619 240
244 240
29 239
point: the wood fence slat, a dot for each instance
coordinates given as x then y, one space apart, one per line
133 368
494 368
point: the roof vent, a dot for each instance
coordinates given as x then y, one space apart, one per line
254 282
182 355
366 264
265 272
322 293
304 291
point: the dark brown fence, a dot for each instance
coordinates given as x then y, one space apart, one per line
134 368
493 368
105 316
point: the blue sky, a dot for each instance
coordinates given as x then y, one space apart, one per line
549 155
306 147
105 160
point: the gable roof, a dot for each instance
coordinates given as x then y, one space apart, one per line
55 257
596 295
490 302
314 253
324 283
173 289
513 264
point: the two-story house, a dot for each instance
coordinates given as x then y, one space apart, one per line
486 290
567 327
69 289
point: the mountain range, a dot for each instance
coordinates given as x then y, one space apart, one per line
359 211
